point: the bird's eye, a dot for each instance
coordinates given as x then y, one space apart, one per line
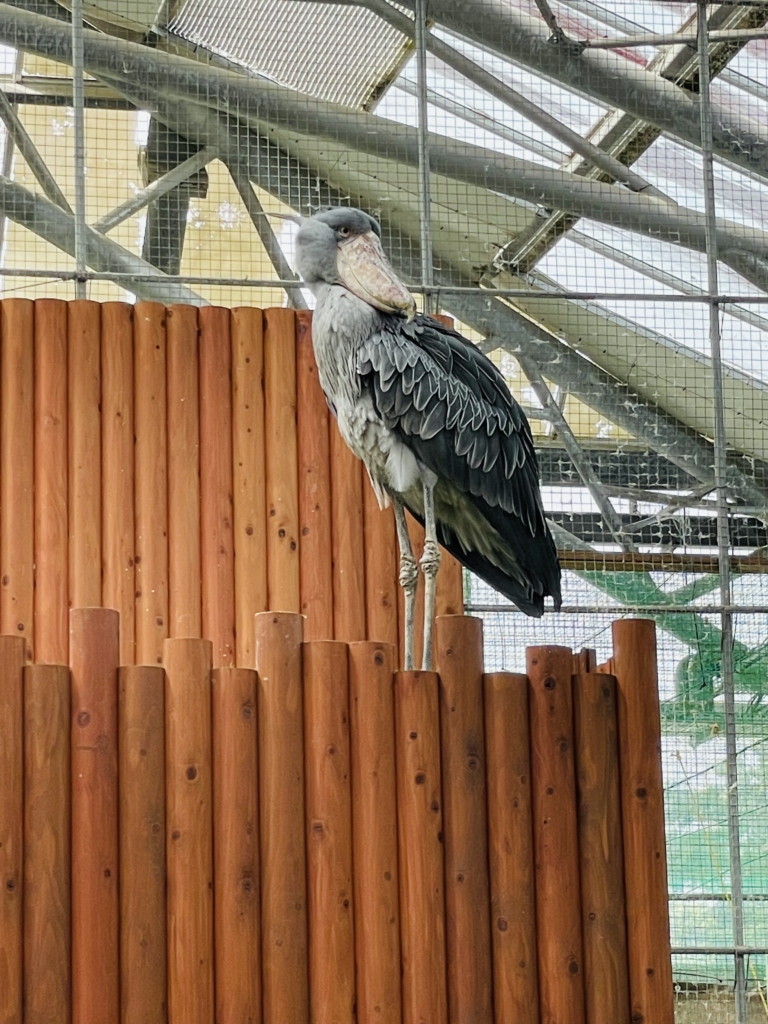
344 232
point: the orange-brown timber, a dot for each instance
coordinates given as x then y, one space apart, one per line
374 832
642 808
118 527
17 509
218 556
189 843
459 663
555 835
606 982
249 476
84 439
348 545
184 571
510 842
94 649
329 833
314 488
141 721
51 526
419 827
47 894
151 482
281 806
282 460
11 826
381 568
237 924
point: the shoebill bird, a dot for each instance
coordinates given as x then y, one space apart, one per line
432 419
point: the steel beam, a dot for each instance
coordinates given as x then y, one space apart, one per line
56 226
28 150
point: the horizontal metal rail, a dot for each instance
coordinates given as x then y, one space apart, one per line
629 609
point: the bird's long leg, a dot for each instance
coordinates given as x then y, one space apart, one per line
430 563
409 578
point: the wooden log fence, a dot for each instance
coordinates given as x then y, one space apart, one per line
320 838
220 802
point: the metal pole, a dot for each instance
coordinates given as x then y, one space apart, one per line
723 538
78 102
425 232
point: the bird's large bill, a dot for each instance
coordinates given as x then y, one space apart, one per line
367 273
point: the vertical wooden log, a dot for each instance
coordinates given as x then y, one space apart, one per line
189 850
143 975
282 460
218 556
510 841
459 662
347 540
12 655
184 571
249 476
381 568
151 482
642 807
314 489
84 438
558 906
601 861
419 831
17 509
94 647
47 892
51 523
118 526
374 832
329 833
285 993
236 898
449 595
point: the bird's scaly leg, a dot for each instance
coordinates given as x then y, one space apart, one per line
430 563
409 578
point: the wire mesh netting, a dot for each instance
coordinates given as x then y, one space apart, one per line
583 187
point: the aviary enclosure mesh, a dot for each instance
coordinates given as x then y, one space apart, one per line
562 179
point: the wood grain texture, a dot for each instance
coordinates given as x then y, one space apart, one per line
510 849
51 485
12 656
381 568
459 663
218 555
249 476
316 568
237 902
601 855
184 570
329 833
47 850
17 509
282 818
347 540
189 830
117 471
419 829
374 832
94 650
449 595
151 464
642 806
84 439
282 487
555 834
141 726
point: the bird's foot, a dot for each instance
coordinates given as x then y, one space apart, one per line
409 573
430 559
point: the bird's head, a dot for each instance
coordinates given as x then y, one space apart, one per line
343 246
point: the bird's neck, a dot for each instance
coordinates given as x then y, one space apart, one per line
341 322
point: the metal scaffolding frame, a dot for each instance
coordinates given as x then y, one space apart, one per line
255 146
